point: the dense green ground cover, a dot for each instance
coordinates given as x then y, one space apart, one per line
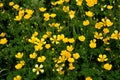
59 39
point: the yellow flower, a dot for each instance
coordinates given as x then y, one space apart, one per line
91 3
88 78
108 22
11 3
22 62
107 66
1 5
41 59
86 22
65 8
47 46
67 0
38 69
2 34
71 60
27 16
3 41
54 39
65 40
18 77
21 12
71 14
105 30
65 53
71 40
29 11
19 55
89 14
70 48
105 40
16 6
33 56
53 15
92 43
18 66
60 37
76 55
38 47
99 25
115 35
102 58
109 7
81 38
46 15
79 2
35 34
42 9
98 35
71 67
18 18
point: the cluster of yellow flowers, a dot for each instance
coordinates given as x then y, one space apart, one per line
3 40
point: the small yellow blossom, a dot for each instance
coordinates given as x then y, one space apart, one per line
18 18
92 43
102 58
1 4
16 6
91 3
54 39
65 8
98 35
3 41
22 62
107 22
47 46
2 34
41 59
11 3
70 48
33 56
27 16
18 77
81 38
71 40
53 15
115 35
76 55
109 7
19 55
38 69
29 11
71 14
67 0
107 66
79 2
65 40
99 25
42 9
105 40
105 30
71 60
71 67
65 53
89 14
86 22
88 78
21 12
18 66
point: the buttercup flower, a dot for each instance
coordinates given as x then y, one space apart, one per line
76 55
19 55
81 38
109 7
65 8
102 58
41 59
91 3
18 77
3 41
16 6
42 9
79 2
33 56
1 4
92 43
19 66
99 25
72 14
38 69
88 78
107 66
11 3
70 48
89 14
98 35
2 34
86 22
47 46
71 60
71 67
